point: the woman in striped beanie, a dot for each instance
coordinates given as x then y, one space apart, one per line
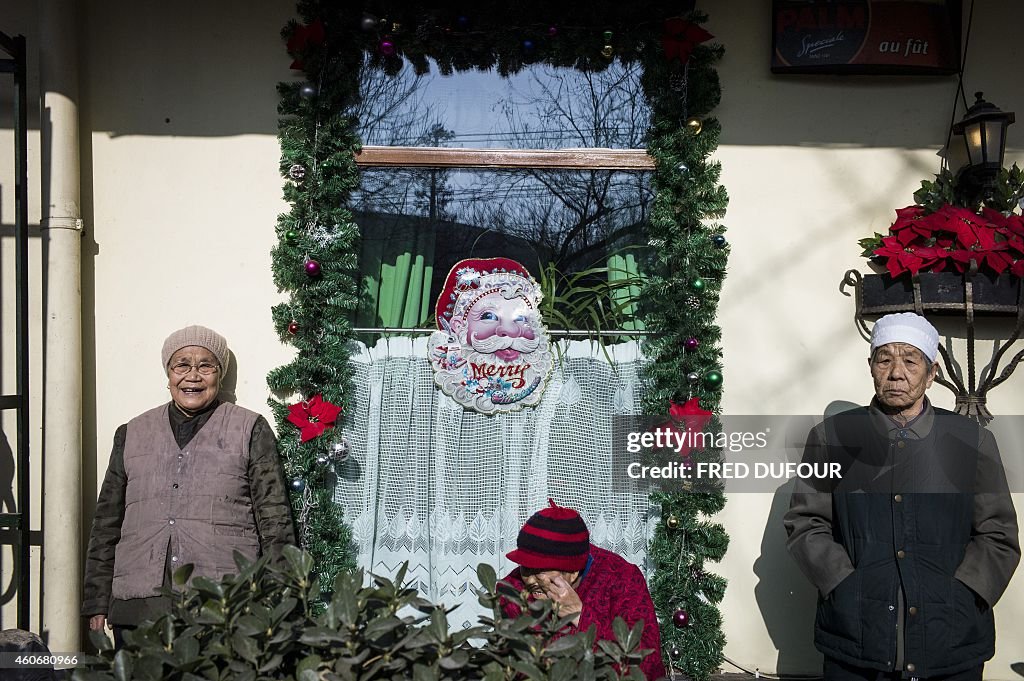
557 562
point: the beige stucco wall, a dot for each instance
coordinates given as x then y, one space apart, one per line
181 191
811 165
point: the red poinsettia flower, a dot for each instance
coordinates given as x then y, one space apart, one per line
898 258
911 223
302 38
313 416
993 217
680 37
690 414
950 238
691 418
1015 243
965 224
1017 269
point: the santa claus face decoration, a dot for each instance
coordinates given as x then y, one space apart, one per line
492 352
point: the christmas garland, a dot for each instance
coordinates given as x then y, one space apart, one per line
315 262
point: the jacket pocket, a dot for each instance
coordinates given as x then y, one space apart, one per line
840 614
966 627
229 530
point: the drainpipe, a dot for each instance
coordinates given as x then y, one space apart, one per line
61 228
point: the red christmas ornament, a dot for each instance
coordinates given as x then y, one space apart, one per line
313 416
293 328
680 618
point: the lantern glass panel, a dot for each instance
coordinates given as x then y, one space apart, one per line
993 141
972 139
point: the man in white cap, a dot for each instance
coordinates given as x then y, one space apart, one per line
917 542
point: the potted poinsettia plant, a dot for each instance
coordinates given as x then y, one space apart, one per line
933 244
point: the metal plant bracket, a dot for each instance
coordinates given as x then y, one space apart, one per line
972 395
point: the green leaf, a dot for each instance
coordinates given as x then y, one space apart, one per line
100 641
182 574
564 644
487 576
531 670
422 672
300 563
123 666
309 662
457 660
621 631
563 670
272 663
212 612
209 588
245 646
635 633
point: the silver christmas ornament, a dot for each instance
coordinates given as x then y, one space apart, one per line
339 449
297 171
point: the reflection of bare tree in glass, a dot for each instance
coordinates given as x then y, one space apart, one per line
392 111
571 218
574 218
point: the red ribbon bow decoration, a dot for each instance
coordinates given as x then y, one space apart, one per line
302 38
313 417
680 37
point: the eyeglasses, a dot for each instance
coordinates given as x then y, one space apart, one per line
204 368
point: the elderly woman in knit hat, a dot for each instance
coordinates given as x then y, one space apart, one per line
557 562
188 482
908 573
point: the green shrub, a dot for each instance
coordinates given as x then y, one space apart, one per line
270 621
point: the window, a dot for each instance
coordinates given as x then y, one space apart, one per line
546 167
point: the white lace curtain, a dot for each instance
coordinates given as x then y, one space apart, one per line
446 489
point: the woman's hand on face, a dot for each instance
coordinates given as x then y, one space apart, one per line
96 622
561 593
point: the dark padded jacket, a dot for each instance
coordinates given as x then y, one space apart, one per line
920 532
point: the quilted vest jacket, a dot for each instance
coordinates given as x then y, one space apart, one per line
196 500
902 540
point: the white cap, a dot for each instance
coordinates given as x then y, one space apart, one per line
906 327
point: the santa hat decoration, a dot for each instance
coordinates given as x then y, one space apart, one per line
479 277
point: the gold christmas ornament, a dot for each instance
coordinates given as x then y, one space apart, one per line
608 51
672 522
694 125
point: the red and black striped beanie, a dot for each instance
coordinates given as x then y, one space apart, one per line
554 538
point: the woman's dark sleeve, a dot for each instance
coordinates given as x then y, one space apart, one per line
270 502
106 532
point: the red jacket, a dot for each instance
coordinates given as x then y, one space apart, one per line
612 587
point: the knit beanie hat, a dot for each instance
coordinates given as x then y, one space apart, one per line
199 336
906 327
554 538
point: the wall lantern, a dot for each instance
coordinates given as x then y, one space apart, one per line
984 131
